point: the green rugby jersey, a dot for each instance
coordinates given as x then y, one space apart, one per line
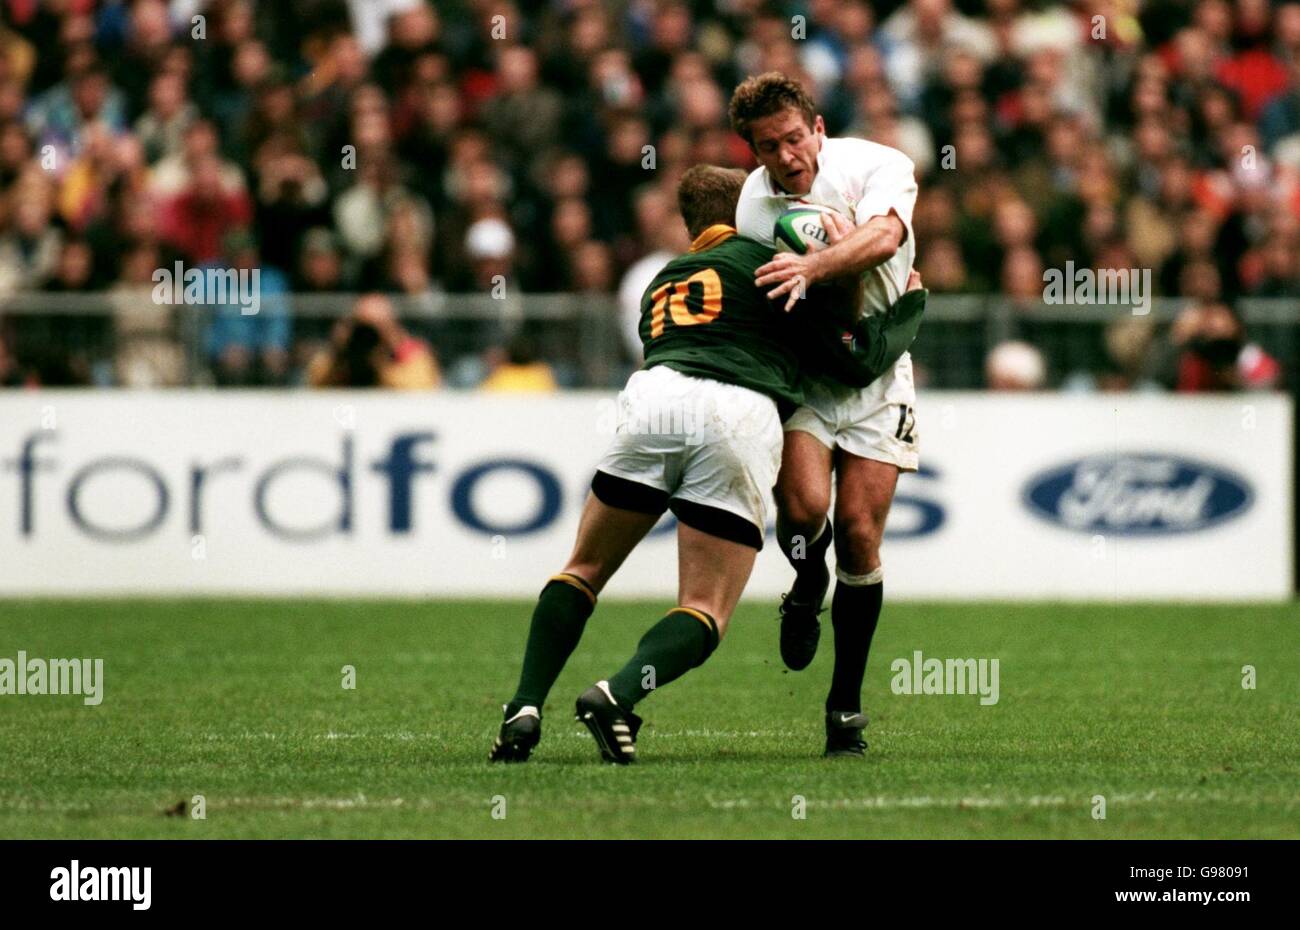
703 316
858 352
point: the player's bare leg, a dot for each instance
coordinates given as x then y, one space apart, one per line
803 498
864 491
606 535
712 573
863 494
803 489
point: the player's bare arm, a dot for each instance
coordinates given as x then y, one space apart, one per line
871 244
850 253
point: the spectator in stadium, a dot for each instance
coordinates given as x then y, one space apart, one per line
1210 353
248 349
172 174
161 129
1280 267
1014 227
877 117
146 350
1128 347
621 169
1022 277
253 105
72 349
413 30
490 247
571 43
361 212
937 213
142 53
292 197
1196 240
570 229
523 116
434 119
15 152
516 368
942 267
1280 117
106 168
320 264
29 250
131 223
18 55
10 375
409 283
195 221
403 24
371 348
593 269
75 269
274 112
476 190
1128 146
1015 366
326 93
922 35
61 116
1153 219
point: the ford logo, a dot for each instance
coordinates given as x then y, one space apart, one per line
1137 494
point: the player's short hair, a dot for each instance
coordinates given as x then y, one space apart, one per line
707 195
765 94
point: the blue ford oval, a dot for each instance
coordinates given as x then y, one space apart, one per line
1137 494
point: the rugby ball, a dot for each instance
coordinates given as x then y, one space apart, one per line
800 226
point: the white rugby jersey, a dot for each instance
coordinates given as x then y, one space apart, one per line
858 178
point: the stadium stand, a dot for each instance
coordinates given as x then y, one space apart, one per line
503 197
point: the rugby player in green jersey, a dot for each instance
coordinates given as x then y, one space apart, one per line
699 434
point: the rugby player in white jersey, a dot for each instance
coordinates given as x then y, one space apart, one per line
866 436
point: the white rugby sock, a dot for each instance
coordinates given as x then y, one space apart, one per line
861 581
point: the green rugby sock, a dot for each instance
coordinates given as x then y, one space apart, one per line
558 621
683 639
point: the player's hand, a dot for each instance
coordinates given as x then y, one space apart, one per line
914 281
792 274
837 227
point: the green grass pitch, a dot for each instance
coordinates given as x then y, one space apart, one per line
242 702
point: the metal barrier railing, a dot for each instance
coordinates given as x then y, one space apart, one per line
588 339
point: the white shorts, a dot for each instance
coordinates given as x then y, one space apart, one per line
698 440
876 422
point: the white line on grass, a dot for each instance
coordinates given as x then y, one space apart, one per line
975 802
360 801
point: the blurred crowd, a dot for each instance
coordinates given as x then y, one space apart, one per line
402 149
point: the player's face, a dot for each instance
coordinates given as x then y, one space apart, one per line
787 146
